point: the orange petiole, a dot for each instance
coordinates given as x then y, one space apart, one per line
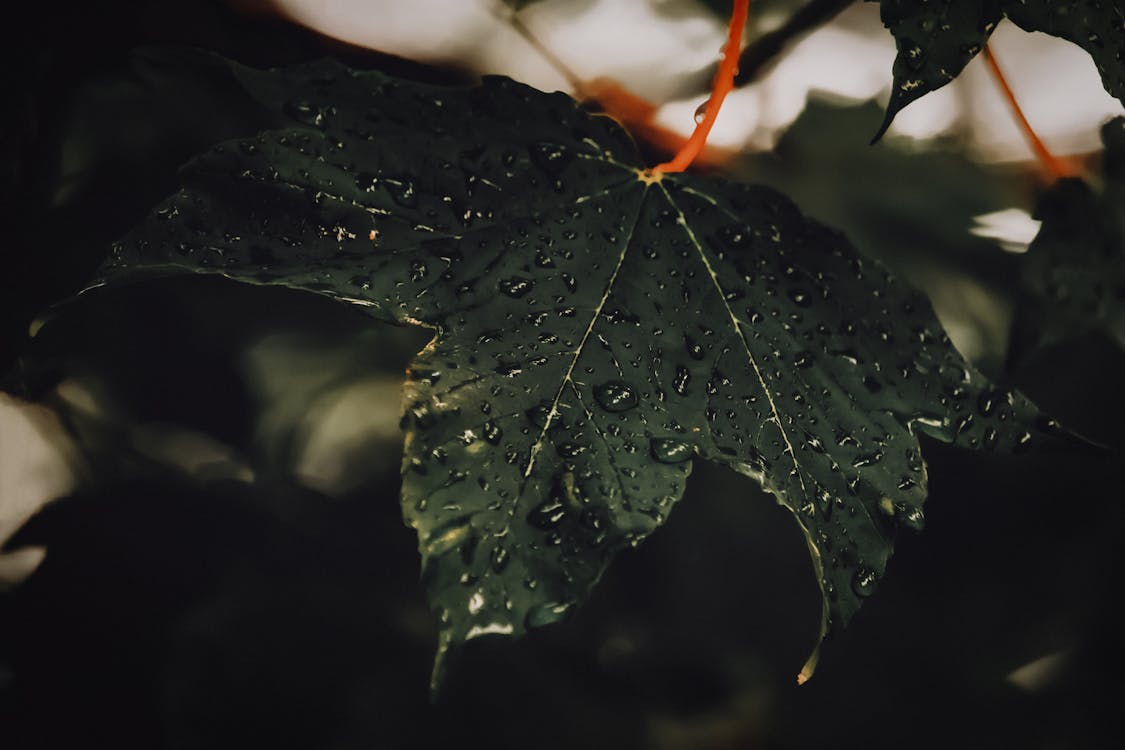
720 87
1056 168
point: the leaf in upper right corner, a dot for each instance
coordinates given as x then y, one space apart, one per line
937 38
1073 278
1097 26
935 41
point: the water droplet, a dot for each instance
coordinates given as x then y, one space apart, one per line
735 237
539 414
987 403
680 382
500 558
864 581
492 433
570 450
800 297
547 515
670 451
694 350
305 112
547 614
914 54
424 418
401 191
615 396
701 112
868 460
910 516
552 158
516 287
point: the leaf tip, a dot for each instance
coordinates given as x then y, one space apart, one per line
809 667
440 670
888 118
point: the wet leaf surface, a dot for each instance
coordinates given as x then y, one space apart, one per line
937 39
1073 275
921 229
595 330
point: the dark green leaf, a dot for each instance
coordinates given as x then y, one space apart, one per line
921 229
1074 271
935 41
937 38
595 329
1097 26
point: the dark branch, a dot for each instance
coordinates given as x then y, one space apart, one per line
762 51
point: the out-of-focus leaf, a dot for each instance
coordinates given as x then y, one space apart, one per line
518 5
596 327
1074 271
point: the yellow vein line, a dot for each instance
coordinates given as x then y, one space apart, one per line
812 278
682 221
582 344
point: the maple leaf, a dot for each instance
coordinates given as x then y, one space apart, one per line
596 328
936 40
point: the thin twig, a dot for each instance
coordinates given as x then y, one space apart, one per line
552 59
762 51
1055 167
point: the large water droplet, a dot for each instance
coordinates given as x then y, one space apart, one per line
701 112
910 516
516 287
615 396
864 581
539 414
547 515
670 451
492 433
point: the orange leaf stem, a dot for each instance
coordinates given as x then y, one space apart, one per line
1054 166
720 87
